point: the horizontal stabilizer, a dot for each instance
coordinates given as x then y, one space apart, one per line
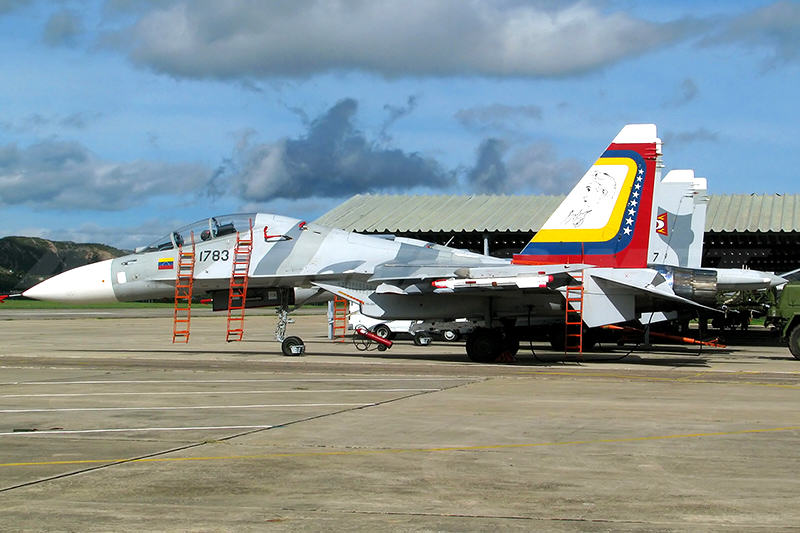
613 295
660 292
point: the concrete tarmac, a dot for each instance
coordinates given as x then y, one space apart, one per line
105 425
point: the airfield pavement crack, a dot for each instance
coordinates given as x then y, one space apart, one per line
229 437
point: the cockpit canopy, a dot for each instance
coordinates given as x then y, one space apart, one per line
202 230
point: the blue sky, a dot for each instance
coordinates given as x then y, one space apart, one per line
122 119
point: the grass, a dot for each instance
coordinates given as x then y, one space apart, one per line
36 304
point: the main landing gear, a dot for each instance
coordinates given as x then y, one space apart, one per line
492 345
289 345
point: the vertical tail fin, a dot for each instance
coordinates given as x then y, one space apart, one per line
676 237
605 220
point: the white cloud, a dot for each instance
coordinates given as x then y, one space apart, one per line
537 168
498 117
65 175
531 168
775 27
256 39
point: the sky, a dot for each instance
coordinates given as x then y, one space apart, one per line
121 120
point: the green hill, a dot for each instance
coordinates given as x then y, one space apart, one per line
25 261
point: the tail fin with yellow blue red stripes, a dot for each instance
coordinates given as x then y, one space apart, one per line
606 219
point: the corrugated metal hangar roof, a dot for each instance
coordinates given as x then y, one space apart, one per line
387 213
753 212
384 213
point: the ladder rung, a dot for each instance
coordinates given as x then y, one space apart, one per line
184 281
237 289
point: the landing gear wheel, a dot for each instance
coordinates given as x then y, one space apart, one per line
484 345
291 344
557 339
450 335
511 344
383 331
590 338
794 342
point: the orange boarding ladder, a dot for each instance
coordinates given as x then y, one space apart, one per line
184 282
573 320
340 306
237 294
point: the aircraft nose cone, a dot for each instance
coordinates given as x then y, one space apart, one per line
86 284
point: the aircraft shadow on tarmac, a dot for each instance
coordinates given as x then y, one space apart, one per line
544 355
540 355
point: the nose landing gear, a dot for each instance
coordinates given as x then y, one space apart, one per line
289 345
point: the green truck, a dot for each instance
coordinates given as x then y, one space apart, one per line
786 316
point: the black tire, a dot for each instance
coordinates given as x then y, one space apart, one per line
590 338
382 331
511 344
484 345
556 337
794 341
289 342
450 335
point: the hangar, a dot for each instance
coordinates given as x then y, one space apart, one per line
759 231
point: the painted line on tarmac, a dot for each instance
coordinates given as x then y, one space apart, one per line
162 453
123 430
205 392
187 408
486 447
684 379
172 381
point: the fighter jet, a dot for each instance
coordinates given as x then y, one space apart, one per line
596 241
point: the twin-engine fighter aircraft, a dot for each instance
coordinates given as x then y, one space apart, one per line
598 238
